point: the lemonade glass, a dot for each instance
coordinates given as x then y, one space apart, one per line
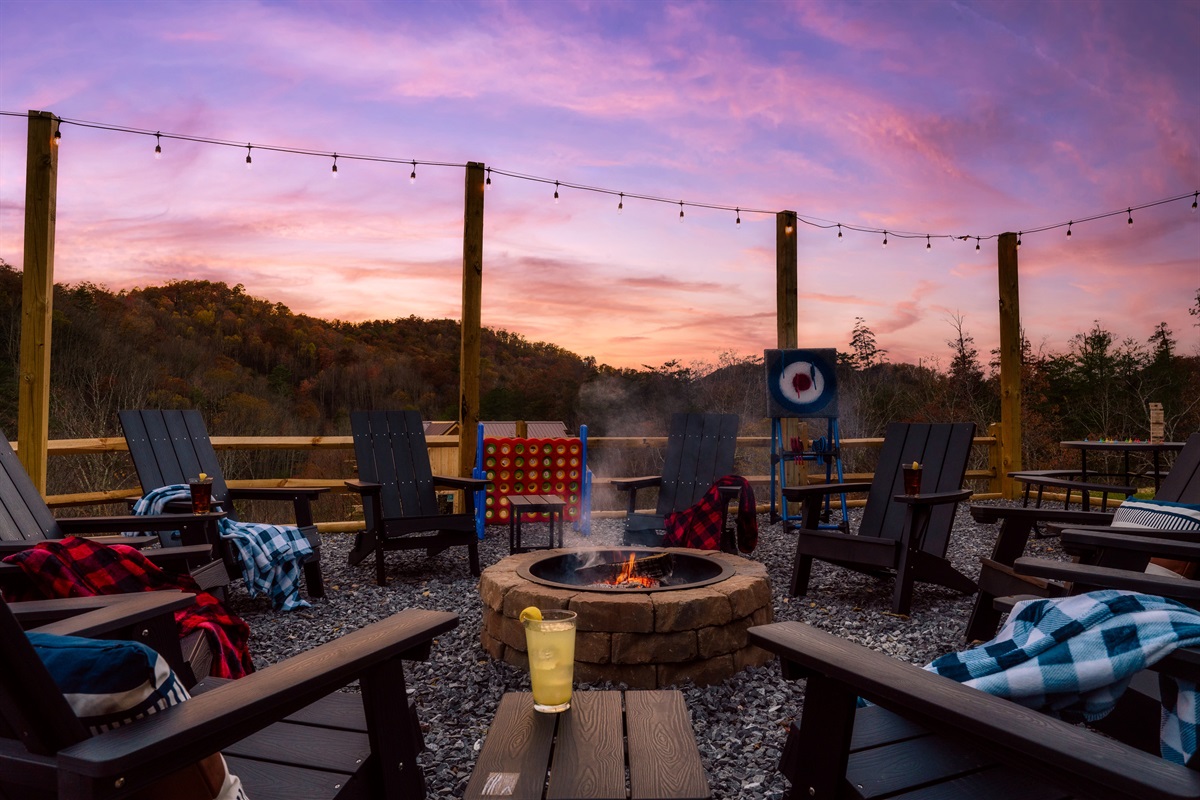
551 645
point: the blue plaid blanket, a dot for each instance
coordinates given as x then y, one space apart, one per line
270 555
1073 657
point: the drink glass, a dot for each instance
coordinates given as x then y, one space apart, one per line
912 479
201 494
551 645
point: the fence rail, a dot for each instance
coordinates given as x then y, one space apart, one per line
444 455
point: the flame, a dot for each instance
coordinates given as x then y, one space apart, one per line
628 574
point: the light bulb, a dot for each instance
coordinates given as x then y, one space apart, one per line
885 238
158 145
839 230
976 242
621 203
488 182
58 135
1018 240
681 211
738 221
928 246
334 173
249 161
412 178
1195 200
1069 224
1129 211
556 191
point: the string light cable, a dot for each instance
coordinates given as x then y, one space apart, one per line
738 210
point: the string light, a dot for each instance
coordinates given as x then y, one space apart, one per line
57 137
488 182
335 165
1018 240
556 191
681 211
976 242
621 203
885 238
738 221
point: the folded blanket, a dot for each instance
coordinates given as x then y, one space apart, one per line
700 526
270 555
1073 657
77 567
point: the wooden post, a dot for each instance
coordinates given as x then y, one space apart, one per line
1010 363
37 295
472 315
787 336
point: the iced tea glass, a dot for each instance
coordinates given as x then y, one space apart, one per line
201 494
550 642
912 479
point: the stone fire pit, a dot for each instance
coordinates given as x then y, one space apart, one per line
644 639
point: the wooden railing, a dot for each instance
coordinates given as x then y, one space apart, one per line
444 458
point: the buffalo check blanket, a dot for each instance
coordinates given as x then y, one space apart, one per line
700 526
77 567
270 555
1073 657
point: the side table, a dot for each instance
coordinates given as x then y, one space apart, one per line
590 742
549 504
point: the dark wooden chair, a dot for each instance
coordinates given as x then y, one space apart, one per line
399 492
169 446
901 535
942 739
286 731
25 520
700 449
998 577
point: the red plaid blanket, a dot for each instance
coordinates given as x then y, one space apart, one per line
702 526
76 567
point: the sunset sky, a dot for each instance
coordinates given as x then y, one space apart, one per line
940 118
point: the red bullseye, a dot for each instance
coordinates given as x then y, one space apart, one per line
801 382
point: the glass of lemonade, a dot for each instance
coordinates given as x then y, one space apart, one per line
551 645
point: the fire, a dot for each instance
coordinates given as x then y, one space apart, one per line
628 576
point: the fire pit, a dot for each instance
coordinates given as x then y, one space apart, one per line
648 617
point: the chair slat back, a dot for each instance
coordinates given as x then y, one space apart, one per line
391 450
24 515
942 450
32 707
169 446
1182 483
700 449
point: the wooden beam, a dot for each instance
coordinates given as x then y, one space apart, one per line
37 295
786 293
1010 363
472 315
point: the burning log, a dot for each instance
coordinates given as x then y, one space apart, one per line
647 571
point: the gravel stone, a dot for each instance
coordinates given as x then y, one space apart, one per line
740 724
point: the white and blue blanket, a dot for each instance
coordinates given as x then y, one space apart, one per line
270 555
1073 657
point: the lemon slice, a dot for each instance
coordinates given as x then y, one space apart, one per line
533 612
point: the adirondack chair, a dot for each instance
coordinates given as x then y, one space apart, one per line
286 730
934 734
904 535
997 576
25 520
700 449
169 446
399 494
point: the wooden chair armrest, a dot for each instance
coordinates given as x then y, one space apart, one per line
454 482
633 484
1076 541
94 617
145 522
933 498
796 493
1181 589
364 487
1052 749
213 720
1154 533
987 513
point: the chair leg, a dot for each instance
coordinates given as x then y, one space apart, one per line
801 570
473 557
380 564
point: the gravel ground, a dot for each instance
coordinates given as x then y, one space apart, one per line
740 724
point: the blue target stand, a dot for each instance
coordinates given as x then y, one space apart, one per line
802 384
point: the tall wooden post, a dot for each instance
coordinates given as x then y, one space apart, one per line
472 316
1010 362
37 295
787 335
